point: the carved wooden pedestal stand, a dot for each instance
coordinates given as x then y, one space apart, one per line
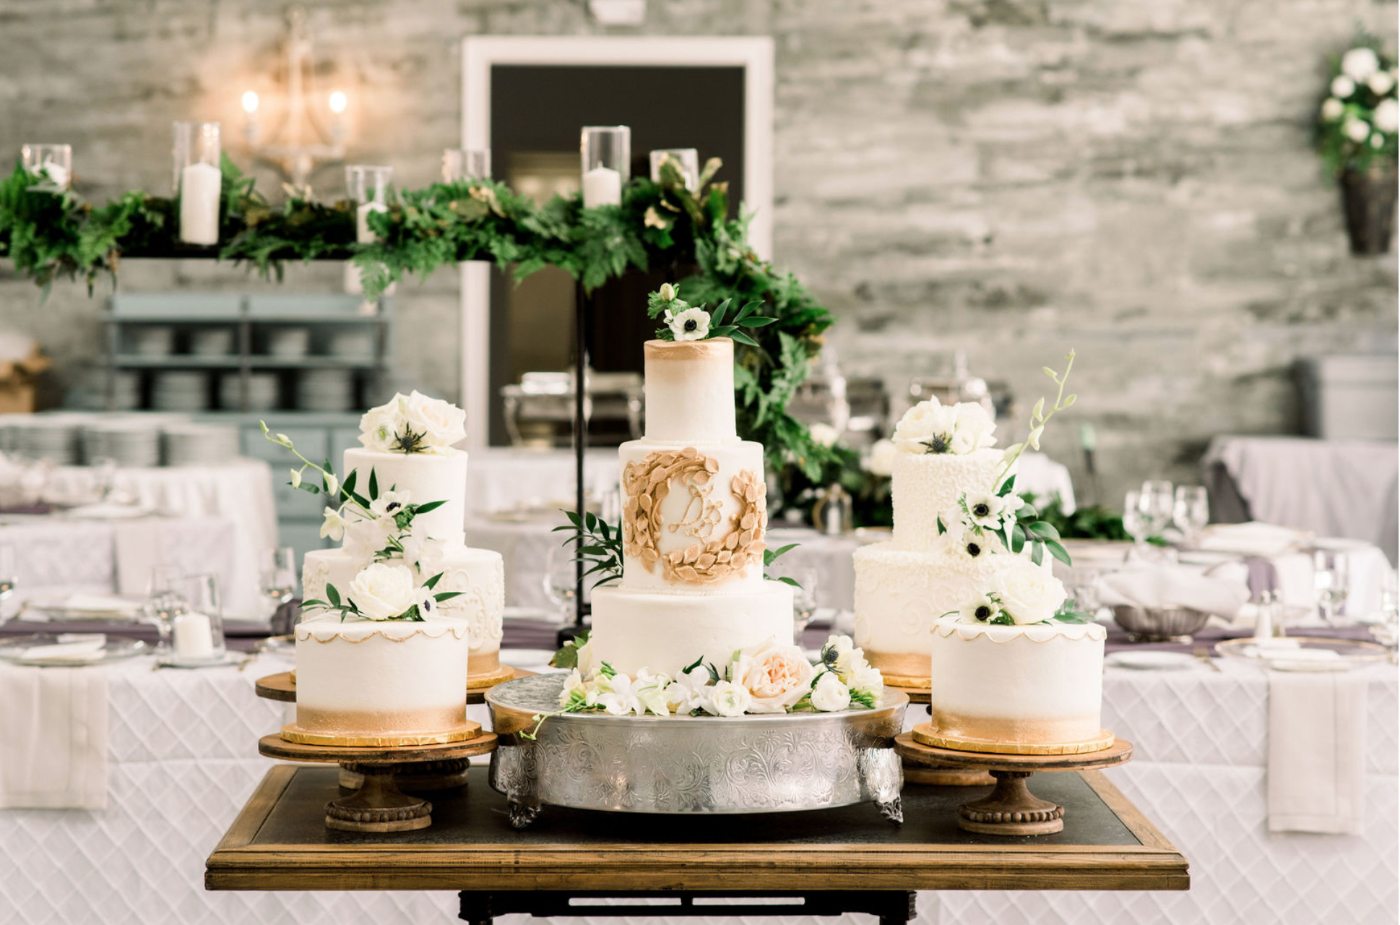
934 773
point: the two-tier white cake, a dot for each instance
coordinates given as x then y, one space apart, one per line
693 522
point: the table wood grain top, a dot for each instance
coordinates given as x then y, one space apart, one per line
279 842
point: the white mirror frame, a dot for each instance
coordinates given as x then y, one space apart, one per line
480 52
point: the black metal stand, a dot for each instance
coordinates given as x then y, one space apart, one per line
891 907
581 319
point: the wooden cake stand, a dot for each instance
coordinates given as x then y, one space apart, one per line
378 805
934 773
1011 809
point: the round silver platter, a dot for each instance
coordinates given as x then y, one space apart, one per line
691 764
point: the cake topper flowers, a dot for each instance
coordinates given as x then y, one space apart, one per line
413 423
931 427
682 321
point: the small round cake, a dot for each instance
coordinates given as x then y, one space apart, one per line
389 682
1035 688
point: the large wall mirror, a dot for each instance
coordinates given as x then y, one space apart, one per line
525 99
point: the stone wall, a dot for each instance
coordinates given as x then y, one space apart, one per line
1007 177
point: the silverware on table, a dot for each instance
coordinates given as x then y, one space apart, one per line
1203 653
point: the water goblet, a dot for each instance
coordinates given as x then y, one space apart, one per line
561 580
9 573
1330 577
1156 501
1191 511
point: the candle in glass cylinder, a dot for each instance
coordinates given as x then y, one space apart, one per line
363 234
602 186
193 636
199 204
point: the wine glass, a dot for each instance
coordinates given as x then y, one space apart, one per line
9 573
1133 520
1330 574
277 577
1082 587
561 580
804 596
1156 502
1191 511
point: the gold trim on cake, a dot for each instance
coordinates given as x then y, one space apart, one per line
708 348
1025 742
490 678
460 733
909 668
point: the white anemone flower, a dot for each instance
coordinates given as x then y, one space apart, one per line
691 324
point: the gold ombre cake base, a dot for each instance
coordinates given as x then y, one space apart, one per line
907 682
924 733
490 678
294 733
902 669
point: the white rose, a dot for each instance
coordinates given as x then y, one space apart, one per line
441 423
866 678
776 676
382 592
963 442
728 699
1029 593
881 460
334 525
978 610
691 324
1343 87
1380 83
1387 116
389 503
830 695
1332 109
824 434
1360 64
972 418
923 422
1357 130
379 426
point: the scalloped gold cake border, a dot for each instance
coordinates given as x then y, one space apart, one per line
924 733
294 733
647 484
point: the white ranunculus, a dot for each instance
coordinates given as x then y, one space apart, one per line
1357 130
1332 109
1360 63
728 699
334 525
881 461
830 695
1387 116
691 324
383 592
824 434
1380 83
389 503
379 426
1029 593
978 610
441 423
55 172
776 676
1343 86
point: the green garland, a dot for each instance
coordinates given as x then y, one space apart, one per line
658 226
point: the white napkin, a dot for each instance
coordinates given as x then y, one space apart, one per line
1221 590
137 548
69 646
53 738
1251 539
1317 752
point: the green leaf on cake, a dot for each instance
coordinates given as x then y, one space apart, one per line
1058 551
373 485
333 595
425 508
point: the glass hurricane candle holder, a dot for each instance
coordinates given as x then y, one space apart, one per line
687 161
465 164
189 618
368 186
52 164
197 181
607 163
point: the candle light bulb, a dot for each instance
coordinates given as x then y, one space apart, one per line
250 102
338 102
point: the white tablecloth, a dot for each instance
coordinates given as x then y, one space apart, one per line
240 491
183 762
500 478
1348 488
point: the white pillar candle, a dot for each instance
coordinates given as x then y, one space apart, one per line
194 636
602 186
199 204
362 232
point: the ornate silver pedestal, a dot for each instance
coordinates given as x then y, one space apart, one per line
691 764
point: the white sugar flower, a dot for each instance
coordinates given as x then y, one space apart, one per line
1332 109
441 423
416 546
1360 64
383 592
618 697
830 695
334 524
1380 83
691 324
1357 130
728 699
962 443
972 418
1028 592
984 508
881 460
824 434
1343 86
365 537
978 610
650 692
688 692
389 503
1387 116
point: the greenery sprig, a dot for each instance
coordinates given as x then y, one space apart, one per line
666 303
597 545
334 603
770 556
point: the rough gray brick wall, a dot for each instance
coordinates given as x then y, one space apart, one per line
1008 177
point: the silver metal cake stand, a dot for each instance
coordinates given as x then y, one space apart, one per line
691 764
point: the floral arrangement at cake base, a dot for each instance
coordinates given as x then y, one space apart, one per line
770 678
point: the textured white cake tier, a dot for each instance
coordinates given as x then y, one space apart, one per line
733 458
899 595
690 391
665 632
426 477
377 678
478 573
929 484
1037 684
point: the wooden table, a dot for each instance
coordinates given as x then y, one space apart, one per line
280 842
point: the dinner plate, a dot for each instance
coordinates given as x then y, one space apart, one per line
98 607
1152 660
1312 653
529 659
15 649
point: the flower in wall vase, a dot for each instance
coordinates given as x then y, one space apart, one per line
1368 198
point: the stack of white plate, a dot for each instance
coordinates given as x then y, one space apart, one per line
262 392
131 444
212 342
153 341
180 391
200 444
326 390
289 343
54 438
126 391
352 344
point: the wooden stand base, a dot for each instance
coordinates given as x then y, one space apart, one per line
378 806
937 773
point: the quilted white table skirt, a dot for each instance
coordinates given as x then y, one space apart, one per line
184 760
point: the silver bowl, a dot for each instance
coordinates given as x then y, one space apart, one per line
1159 624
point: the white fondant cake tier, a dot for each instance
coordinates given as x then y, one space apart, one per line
928 485
478 573
1040 684
426 477
391 678
690 391
679 506
666 632
901 593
